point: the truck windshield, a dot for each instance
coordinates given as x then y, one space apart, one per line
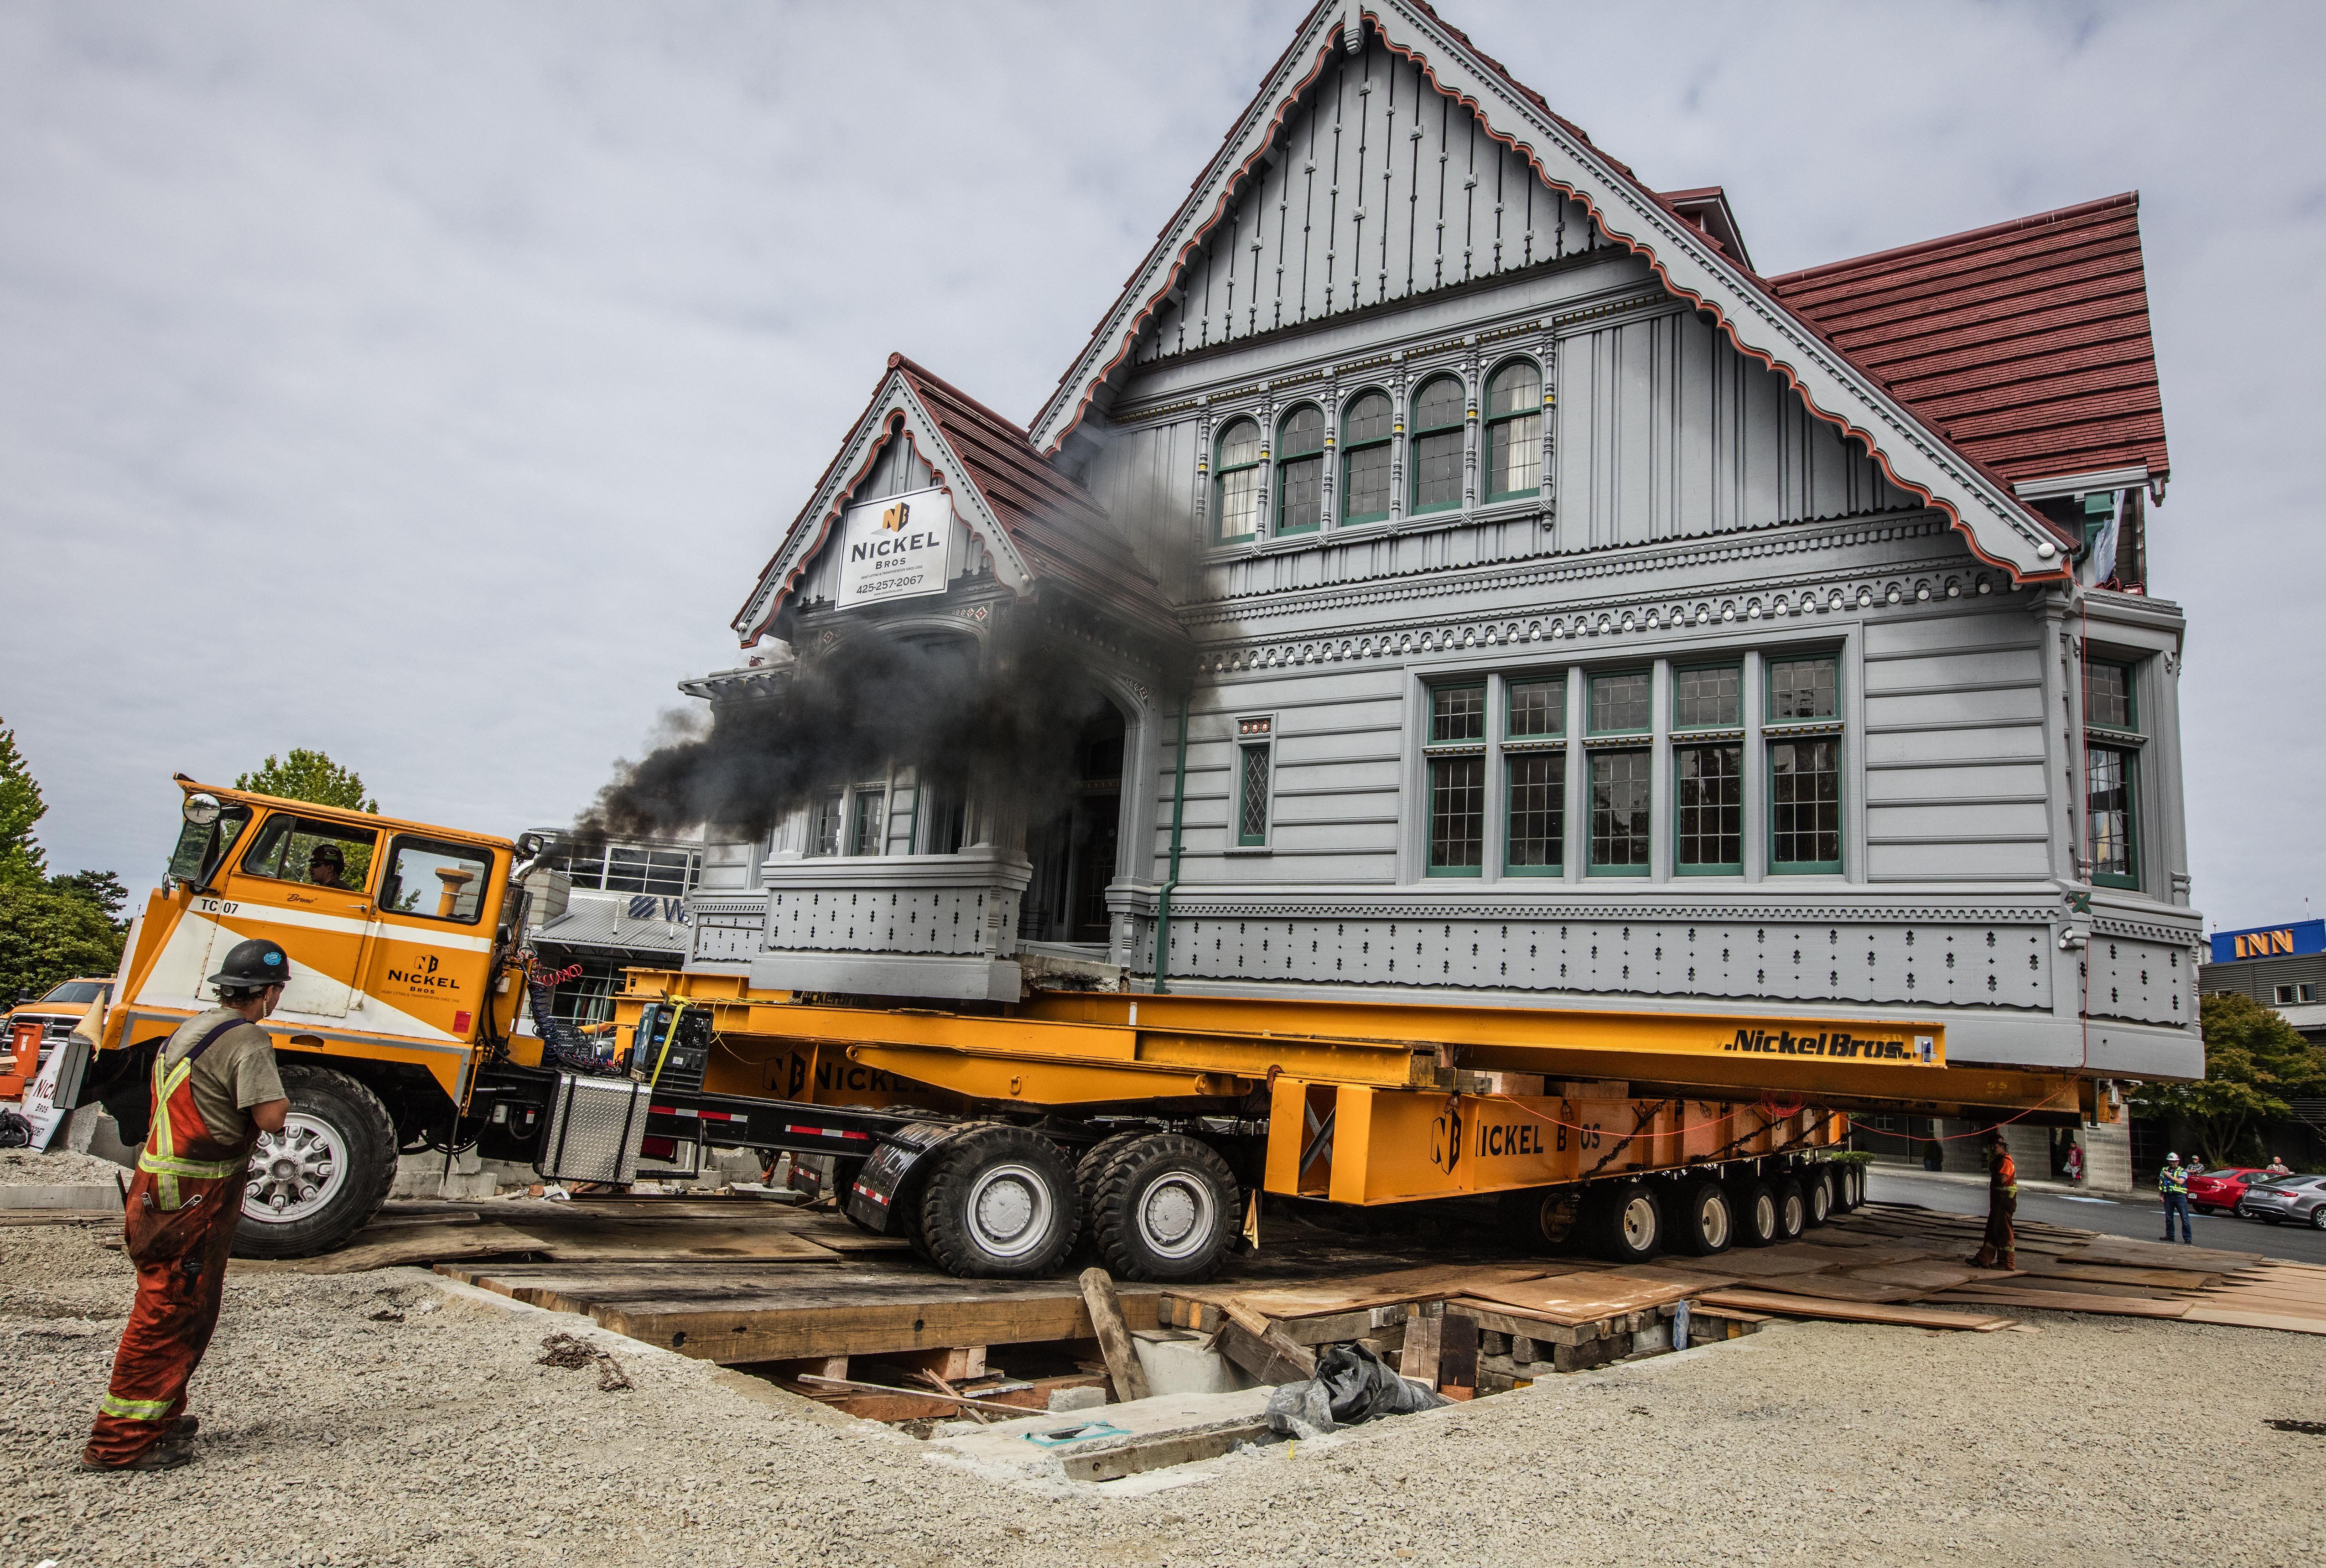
199 850
76 991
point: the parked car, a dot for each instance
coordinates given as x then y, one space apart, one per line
2217 1191
2274 1202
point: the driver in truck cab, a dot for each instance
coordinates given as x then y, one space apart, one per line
215 1090
326 867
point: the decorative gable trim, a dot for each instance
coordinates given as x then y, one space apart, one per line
894 412
1993 523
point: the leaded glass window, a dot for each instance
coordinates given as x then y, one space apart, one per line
1251 808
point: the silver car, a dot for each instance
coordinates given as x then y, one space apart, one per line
2274 1202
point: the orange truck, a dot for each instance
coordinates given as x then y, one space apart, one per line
996 1139
34 1028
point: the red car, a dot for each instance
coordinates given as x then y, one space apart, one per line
2217 1191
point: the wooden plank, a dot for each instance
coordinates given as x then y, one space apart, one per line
1925 1275
1113 1338
2105 1274
1162 1452
2125 1252
1269 1357
1494 1317
2204 1313
1583 1298
1355 1293
1843 1287
2119 1306
963 1400
418 1244
1457 1355
1341 1327
1424 1336
1785 1305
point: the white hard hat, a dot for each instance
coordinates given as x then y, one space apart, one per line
2169 1157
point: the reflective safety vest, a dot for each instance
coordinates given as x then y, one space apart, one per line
2002 1173
2173 1180
178 1124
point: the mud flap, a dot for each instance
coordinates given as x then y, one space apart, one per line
873 1196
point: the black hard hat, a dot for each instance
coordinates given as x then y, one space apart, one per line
328 852
254 965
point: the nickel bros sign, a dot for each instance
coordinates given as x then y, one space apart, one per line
895 547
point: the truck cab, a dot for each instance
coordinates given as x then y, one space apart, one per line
398 933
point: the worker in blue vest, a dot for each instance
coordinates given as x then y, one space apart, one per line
2173 1184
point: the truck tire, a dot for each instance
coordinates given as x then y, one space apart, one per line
1163 1206
1630 1222
1754 1205
1000 1204
1704 1220
323 1178
1792 1206
1817 1195
1848 1187
1095 1158
1542 1220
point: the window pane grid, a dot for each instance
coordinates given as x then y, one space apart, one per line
1805 804
1368 483
1438 472
1802 689
1620 703
1536 708
1240 504
1456 714
2108 812
1711 784
1457 814
871 822
1301 499
1711 698
1537 839
1620 812
2109 702
1515 456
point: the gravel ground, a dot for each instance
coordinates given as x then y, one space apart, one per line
56 1168
332 1438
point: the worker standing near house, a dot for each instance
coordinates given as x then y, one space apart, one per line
2173 1184
215 1090
1999 1248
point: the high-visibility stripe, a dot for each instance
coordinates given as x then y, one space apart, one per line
135 1409
199 1170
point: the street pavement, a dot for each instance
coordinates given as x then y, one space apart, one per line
2141 1217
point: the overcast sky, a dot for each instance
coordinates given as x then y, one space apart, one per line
427 384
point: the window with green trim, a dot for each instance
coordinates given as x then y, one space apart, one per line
1513 432
1252 809
1537 845
1803 732
1236 483
2107 703
1536 707
1620 702
1620 830
1457 781
1365 488
1708 697
1436 442
1300 470
1802 690
1709 795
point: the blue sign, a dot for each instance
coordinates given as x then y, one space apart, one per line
2289 940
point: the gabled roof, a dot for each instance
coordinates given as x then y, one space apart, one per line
1918 456
1042 527
2026 344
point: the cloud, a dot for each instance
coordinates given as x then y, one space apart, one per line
427 384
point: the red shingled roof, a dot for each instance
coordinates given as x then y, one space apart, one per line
1063 534
2024 344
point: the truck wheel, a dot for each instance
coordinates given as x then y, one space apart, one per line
1792 1206
1000 1204
1541 1219
1095 1158
322 1177
1754 1205
1817 1195
1703 1222
1163 1206
1630 1223
1848 1187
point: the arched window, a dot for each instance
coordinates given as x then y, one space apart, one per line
1236 488
1513 432
1300 470
1438 446
1364 466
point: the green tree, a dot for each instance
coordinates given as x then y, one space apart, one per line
102 889
2255 1063
309 775
48 934
19 807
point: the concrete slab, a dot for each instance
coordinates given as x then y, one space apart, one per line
94 1200
1179 1361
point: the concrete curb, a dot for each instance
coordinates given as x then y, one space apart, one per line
90 1198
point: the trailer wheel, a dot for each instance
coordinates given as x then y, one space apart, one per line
1163 1206
1704 1221
322 1177
1541 1219
1754 1204
1095 1158
1000 1204
1817 1195
1630 1225
1792 1207
1848 1187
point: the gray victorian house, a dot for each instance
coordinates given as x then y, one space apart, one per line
1499 591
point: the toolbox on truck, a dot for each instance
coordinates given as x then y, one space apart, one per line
597 1129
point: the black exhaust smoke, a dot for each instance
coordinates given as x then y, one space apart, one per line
1003 721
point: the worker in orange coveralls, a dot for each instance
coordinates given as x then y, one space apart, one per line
1999 1248
215 1090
